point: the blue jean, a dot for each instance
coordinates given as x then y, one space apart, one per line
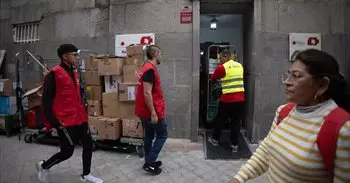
160 132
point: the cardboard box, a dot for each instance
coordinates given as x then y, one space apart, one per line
127 91
91 62
135 60
133 49
112 107
95 125
34 96
112 128
111 83
111 66
131 73
94 92
132 127
92 78
6 87
94 108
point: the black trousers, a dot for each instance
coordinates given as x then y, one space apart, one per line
229 111
76 133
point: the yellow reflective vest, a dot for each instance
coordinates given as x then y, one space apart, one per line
233 80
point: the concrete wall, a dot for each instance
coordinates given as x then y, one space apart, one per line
92 24
273 21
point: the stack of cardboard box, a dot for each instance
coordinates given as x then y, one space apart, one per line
118 93
93 85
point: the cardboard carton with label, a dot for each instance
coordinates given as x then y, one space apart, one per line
94 108
111 66
127 92
6 87
132 127
94 93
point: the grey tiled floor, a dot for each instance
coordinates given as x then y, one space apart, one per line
17 160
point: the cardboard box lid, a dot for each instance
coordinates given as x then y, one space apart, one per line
37 91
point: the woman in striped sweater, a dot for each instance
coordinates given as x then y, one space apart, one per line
290 153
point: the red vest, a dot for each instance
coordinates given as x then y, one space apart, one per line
67 105
141 108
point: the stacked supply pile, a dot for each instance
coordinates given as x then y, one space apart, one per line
118 93
8 106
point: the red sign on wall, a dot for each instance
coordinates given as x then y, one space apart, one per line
186 15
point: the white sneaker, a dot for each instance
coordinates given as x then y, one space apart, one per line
234 148
43 174
213 141
90 179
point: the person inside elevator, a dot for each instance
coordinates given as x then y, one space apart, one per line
231 105
64 110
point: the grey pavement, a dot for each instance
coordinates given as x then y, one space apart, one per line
181 163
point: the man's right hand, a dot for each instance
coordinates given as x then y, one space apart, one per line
154 118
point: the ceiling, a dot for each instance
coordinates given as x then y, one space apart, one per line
224 21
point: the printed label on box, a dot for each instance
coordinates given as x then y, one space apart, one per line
1 86
131 93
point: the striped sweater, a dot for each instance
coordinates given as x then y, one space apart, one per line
289 153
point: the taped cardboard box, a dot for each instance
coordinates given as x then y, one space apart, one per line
134 49
127 92
94 108
95 125
112 107
6 87
34 96
111 66
111 129
135 60
111 83
91 62
132 127
94 93
92 78
131 73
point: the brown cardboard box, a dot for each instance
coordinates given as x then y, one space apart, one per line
92 78
135 60
6 87
96 126
134 50
111 83
94 92
34 96
91 62
112 107
127 91
112 128
132 127
94 108
130 73
111 66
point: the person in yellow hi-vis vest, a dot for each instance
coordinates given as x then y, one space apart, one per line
231 105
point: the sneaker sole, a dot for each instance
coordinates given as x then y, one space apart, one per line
150 172
83 180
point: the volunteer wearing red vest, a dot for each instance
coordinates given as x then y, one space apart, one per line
309 140
231 105
150 108
64 110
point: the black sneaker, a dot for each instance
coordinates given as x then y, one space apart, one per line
158 163
152 169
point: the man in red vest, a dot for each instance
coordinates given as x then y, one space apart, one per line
64 110
150 108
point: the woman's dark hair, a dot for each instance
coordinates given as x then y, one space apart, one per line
321 64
